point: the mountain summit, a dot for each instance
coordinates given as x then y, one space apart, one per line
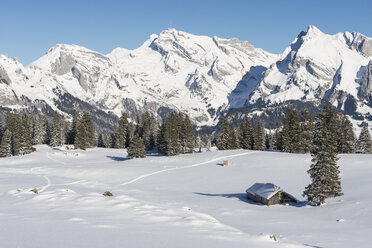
199 75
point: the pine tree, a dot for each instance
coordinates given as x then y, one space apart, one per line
269 140
81 141
120 141
89 128
187 135
72 132
100 141
364 143
55 139
136 148
291 131
38 130
233 142
130 133
13 124
6 144
26 136
306 132
346 136
247 139
278 138
324 172
223 138
259 137
240 135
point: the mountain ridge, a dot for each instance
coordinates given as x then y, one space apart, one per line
203 76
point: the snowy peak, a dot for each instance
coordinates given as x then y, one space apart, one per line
199 75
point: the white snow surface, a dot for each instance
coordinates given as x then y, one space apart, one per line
175 69
182 201
265 190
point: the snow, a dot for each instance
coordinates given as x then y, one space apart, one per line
182 201
265 190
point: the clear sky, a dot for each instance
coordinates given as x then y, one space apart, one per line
28 28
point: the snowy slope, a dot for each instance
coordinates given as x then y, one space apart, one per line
175 70
183 201
202 76
318 66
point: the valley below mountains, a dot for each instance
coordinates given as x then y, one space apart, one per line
204 77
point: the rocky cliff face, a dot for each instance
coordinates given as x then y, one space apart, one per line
199 75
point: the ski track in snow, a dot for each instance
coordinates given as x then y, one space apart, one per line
183 167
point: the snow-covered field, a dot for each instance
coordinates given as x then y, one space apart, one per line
183 201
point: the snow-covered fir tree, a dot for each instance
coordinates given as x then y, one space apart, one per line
346 136
73 128
38 130
121 135
187 135
223 138
100 140
85 132
324 171
13 124
55 139
26 136
6 144
233 142
277 137
258 137
306 126
364 143
291 131
136 148
247 139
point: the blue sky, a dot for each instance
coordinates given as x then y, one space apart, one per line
30 27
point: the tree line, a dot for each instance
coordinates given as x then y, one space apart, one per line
20 132
294 135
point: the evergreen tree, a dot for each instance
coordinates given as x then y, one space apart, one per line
55 139
136 148
38 130
13 124
324 172
259 137
291 131
240 135
90 130
187 135
73 129
247 140
26 136
223 138
130 133
120 141
81 137
6 144
364 143
269 140
346 136
48 132
100 141
278 138
233 142
306 132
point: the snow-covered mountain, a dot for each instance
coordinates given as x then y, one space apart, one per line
199 75
317 66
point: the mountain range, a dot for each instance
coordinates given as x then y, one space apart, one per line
205 77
